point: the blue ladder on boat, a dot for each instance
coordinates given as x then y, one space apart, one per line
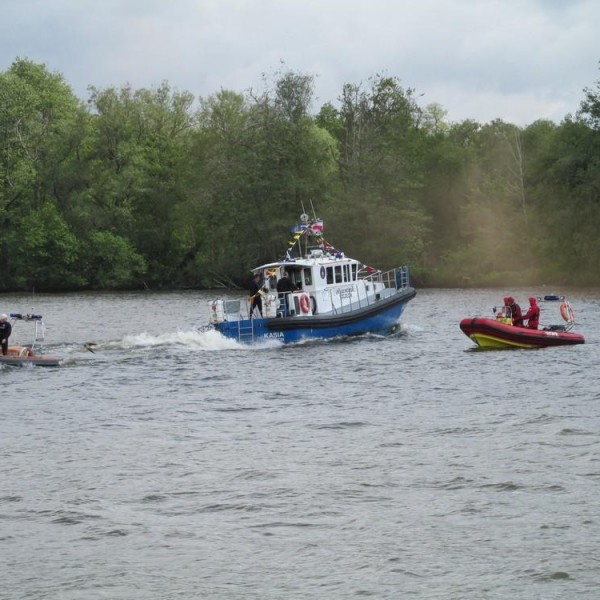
245 332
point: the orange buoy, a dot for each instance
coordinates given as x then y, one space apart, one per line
305 303
566 312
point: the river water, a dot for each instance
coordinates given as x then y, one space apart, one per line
171 463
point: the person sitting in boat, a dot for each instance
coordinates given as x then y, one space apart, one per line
503 313
515 311
5 331
532 316
255 293
505 310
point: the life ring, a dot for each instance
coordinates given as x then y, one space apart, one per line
304 303
566 312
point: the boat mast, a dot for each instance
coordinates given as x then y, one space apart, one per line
304 218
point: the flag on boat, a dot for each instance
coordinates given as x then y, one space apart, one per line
317 227
295 237
314 228
329 248
369 270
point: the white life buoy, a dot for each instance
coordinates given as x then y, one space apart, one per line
216 311
270 305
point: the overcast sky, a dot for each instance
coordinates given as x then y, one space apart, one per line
518 60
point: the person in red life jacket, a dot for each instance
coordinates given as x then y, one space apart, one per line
515 311
532 316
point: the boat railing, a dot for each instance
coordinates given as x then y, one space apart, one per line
39 332
376 283
398 278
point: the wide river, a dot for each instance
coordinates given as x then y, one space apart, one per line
173 464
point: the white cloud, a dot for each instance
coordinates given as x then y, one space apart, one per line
518 60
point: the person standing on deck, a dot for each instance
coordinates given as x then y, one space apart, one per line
515 309
532 316
284 288
5 331
284 285
255 293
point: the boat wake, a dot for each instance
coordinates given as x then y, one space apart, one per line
193 340
204 340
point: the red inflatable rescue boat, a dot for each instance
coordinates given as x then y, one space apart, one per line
499 332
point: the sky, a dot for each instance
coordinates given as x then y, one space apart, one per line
516 60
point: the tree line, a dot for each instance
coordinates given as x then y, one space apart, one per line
155 188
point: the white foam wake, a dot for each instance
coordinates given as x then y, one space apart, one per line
207 340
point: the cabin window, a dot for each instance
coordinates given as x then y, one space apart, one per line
347 273
329 275
338 274
354 272
307 277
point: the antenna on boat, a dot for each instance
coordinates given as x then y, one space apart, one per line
304 217
313 210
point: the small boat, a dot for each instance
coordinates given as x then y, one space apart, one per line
29 354
551 298
499 332
331 295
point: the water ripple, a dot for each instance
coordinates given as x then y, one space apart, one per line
175 464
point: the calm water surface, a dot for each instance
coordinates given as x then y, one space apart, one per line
174 464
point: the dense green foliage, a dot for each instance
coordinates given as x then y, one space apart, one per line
150 188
